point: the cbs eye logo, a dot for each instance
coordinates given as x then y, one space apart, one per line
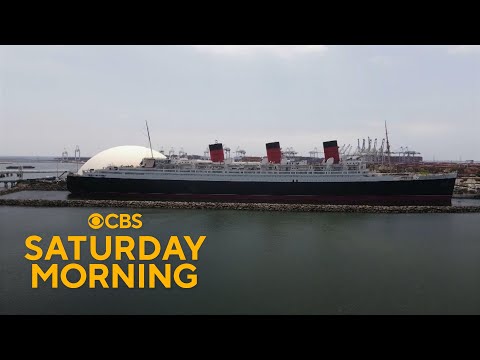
113 221
95 221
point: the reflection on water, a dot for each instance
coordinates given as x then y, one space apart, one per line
37 195
263 263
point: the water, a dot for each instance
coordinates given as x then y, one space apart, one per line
264 263
36 195
48 165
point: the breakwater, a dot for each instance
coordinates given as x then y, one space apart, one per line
240 206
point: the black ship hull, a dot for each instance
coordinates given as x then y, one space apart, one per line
404 192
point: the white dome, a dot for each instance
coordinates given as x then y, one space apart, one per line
126 155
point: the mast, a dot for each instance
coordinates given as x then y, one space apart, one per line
148 132
388 144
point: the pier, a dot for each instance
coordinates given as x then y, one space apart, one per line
21 171
10 178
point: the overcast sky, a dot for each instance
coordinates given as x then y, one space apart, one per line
56 97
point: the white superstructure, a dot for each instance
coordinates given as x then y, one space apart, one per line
206 170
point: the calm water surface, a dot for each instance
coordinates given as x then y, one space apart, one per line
42 169
264 263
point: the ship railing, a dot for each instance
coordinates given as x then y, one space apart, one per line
258 171
248 172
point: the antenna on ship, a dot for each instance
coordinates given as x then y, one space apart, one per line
148 132
388 144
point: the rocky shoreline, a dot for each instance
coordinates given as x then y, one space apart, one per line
240 206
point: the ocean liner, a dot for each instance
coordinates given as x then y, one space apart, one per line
274 179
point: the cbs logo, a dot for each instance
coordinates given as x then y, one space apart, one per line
114 221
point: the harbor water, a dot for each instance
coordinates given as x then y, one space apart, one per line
261 263
36 167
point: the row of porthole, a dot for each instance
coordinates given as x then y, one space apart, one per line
226 174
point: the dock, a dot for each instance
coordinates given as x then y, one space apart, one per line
10 178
